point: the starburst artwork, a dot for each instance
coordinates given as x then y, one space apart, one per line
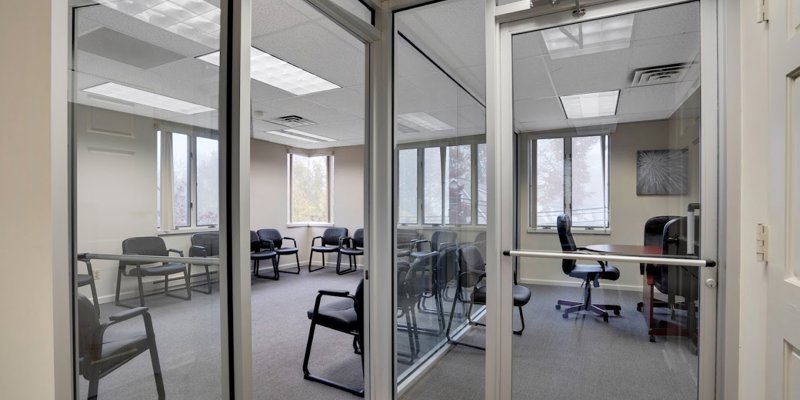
662 172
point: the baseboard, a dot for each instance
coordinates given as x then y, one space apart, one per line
547 282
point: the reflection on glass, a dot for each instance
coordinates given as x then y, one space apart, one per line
408 186
458 171
549 181
589 182
482 187
144 112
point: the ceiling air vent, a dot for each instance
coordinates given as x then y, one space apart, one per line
292 121
661 74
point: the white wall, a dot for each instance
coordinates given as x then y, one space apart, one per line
628 212
34 339
269 188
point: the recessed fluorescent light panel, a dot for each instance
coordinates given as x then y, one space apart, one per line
589 37
302 136
273 71
196 20
590 105
138 96
423 120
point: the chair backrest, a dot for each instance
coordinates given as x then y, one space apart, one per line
653 234
331 236
441 237
88 322
564 227
405 236
674 242
471 259
271 234
209 241
480 241
255 242
358 237
358 305
447 263
145 246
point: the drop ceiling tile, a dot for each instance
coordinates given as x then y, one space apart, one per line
531 79
672 49
667 21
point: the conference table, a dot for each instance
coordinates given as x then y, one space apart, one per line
657 326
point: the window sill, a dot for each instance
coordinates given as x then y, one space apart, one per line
475 228
187 231
309 224
576 231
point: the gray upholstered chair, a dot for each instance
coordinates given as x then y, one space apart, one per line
98 356
150 246
204 244
274 236
329 242
351 247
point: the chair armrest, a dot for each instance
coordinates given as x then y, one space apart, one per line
197 251
292 239
417 243
315 238
179 252
334 293
346 239
127 314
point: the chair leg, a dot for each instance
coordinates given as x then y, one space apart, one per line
311 258
522 319
297 259
94 296
141 289
119 283
274 276
154 358
311 377
208 280
94 382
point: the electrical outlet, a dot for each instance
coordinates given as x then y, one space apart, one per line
96 275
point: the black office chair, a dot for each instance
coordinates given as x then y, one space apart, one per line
437 240
431 280
330 242
472 272
99 356
653 236
88 279
274 236
407 296
205 244
680 281
150 246
344 315
591 275
351 247
260 251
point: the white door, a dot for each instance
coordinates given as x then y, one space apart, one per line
783 354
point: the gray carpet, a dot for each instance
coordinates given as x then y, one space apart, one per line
576 358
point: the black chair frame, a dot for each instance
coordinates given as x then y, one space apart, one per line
260 251
203 246
138 271
326 246
351 246
273 237
88 279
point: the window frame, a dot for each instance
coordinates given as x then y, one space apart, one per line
163 134
329 164
530 141
473 141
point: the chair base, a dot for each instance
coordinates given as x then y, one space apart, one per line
297 259
142 295
275 273
601 310
358 391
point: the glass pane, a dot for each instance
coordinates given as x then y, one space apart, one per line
482 187
181 200
309 189
589 182
207 181
408 186
629 131
357 8
459 185
139 98
432 178
549 181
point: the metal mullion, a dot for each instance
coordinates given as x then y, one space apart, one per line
420 186
568 176
443 180
473 183
193 220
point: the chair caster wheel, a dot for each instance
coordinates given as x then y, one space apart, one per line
564 315
616 312
652 339
605 317
558 306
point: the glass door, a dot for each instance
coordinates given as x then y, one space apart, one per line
612 155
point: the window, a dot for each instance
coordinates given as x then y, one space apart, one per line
187 181
310 188
571 177
447 176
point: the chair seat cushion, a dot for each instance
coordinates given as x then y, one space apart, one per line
83 279
262 255
352 252
115 351
286 250
324 249
165 269
339 315
522 295
589 271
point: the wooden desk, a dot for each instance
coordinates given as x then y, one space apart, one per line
655 326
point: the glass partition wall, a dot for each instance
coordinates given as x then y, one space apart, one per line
607 125
146 183
440 194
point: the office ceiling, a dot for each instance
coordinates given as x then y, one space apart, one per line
114 46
